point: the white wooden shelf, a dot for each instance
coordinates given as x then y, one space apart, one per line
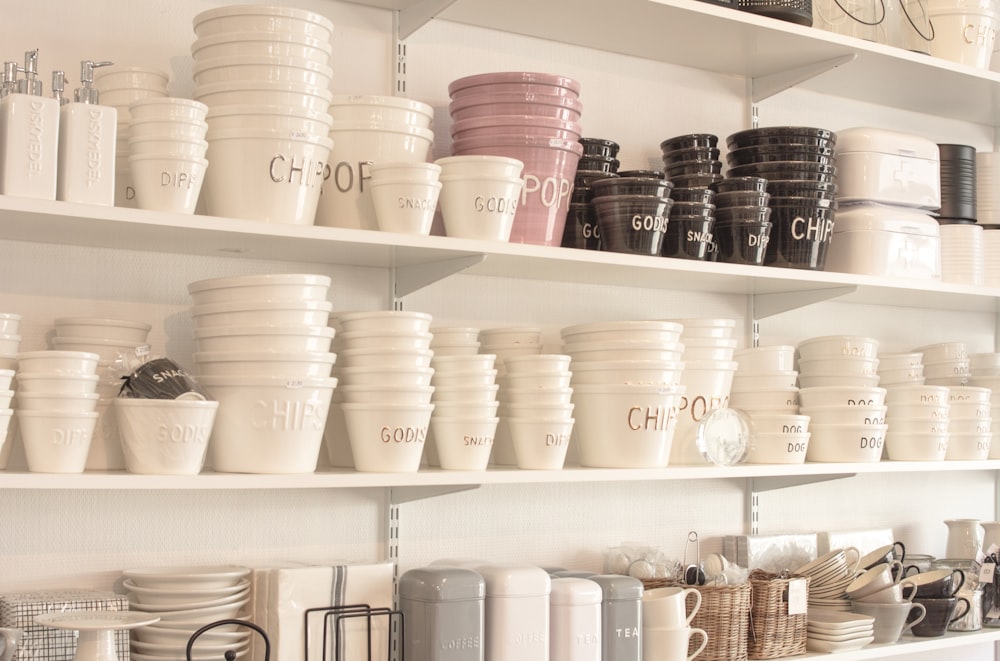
728 41
417 260
910 644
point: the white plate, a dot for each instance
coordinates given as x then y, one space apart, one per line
193 577
834 620
841 637
95 620
814 645
142 604
827 631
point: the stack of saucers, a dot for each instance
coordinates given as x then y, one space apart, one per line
538 412
779 436
185 599
800 167
263 338
709 368
945 363
121 344
260 69
385 388
970 423
505 342
464 421
901 369
515 110
692 160
845 361
627 391
742 219
918 417
830 575
828 630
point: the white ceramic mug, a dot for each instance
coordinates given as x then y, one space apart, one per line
667 607
894 594
891 619
662 644
872 580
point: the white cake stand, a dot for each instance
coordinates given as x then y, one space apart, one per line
97 630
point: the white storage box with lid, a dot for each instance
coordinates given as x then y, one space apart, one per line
889 167
517 612
896 242
575 620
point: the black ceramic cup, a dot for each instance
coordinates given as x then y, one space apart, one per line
581 229
800 235
938 583
688 237
742 242
632 223
940 613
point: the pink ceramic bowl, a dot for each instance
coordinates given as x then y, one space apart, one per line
544 105
509 122
513 78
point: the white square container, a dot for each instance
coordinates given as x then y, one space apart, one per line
575 620
895 242
890 167
517 612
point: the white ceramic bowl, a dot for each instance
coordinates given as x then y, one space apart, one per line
698 349
454 336
235 68
265 363
260 288
384 321
56 442
130 76
105 329
480 166
415 172
267 425
269 116
841 366
536 364
553 380
110 351
785 400
174 595
833 346
505 351
6 377
166 129
906 375
707 386
627 372
846 443
463 443
970 425
899 361
944 352
261 174
371 108
973 410
667 332
508 335
123 97
387 438
293 95
467 394
167 108
626 426
769 423
9 344
199 577
175 146
385 340
915 447
763 380
388 376
264 338
919 425
387 394
916 394
276 313
718 327
68 363
9 323
918 411
270 43
971 394
833 380
464 363
165 650
466 410
479 208
57 402
457 379
847 415
968 447
405 207
167 182
203 615
777 358
624 350
946 370
386 357
263 19
456 350
777 448
540 443
540 396
48 382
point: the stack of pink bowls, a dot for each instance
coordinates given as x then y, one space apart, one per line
264 72
533 117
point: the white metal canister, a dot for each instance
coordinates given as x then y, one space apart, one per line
575 620
889 167
517 612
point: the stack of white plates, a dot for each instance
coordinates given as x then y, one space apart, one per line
833 631
962 254
830 574
186 599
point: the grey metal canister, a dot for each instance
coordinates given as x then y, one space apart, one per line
621 617
443 614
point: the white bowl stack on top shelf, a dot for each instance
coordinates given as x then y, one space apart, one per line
780 436
627 390
984 371
186 599
901 369
382 410
840 374
263 354
503 342
709 369
122 345
945 363
265 74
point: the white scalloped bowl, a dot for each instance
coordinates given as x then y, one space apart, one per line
260 288
194 577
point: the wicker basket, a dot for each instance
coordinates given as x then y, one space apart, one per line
773 632
724 615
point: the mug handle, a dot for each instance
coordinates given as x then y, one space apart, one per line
920 618
913 592
906 570
894 572
901 556
964 613
852 566
697 602
961 580
704 642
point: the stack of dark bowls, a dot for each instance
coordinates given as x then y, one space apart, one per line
632 212
599 160
692 163
742 225
800 167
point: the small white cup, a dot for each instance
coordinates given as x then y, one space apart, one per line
661 644
667 607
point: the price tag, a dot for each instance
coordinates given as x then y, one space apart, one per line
797 596
986 572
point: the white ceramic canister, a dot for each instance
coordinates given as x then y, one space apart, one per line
517 612
892 241
575 620
889 167
443 611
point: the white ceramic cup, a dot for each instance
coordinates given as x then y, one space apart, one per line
872 580
667 607
891 619
894 594
661 644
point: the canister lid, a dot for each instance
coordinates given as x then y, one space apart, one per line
882 218
618 588
575 592
441 584
884 141
571 573
515 580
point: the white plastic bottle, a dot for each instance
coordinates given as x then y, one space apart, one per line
29 137
87 132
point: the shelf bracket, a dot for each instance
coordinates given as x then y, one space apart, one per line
408 279
400 495
768 305
417 15
758 485
764 87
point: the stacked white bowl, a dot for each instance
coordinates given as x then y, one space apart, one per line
263 347
504 342
856 432
119 87
167 135
56 406
265 73
945 363
970 423
383 405
464 421
6 413
185 599
405 196
10 339
122 345
709 369
479 195
780 436
369 130
455 340
991 256
901 369
984 372
919 419
537 409
626 387
962 254
988 187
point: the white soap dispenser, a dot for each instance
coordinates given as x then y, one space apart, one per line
87 133
29 133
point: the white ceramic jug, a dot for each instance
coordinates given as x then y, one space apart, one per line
965 538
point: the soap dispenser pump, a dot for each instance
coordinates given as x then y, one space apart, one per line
29 133
87 136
